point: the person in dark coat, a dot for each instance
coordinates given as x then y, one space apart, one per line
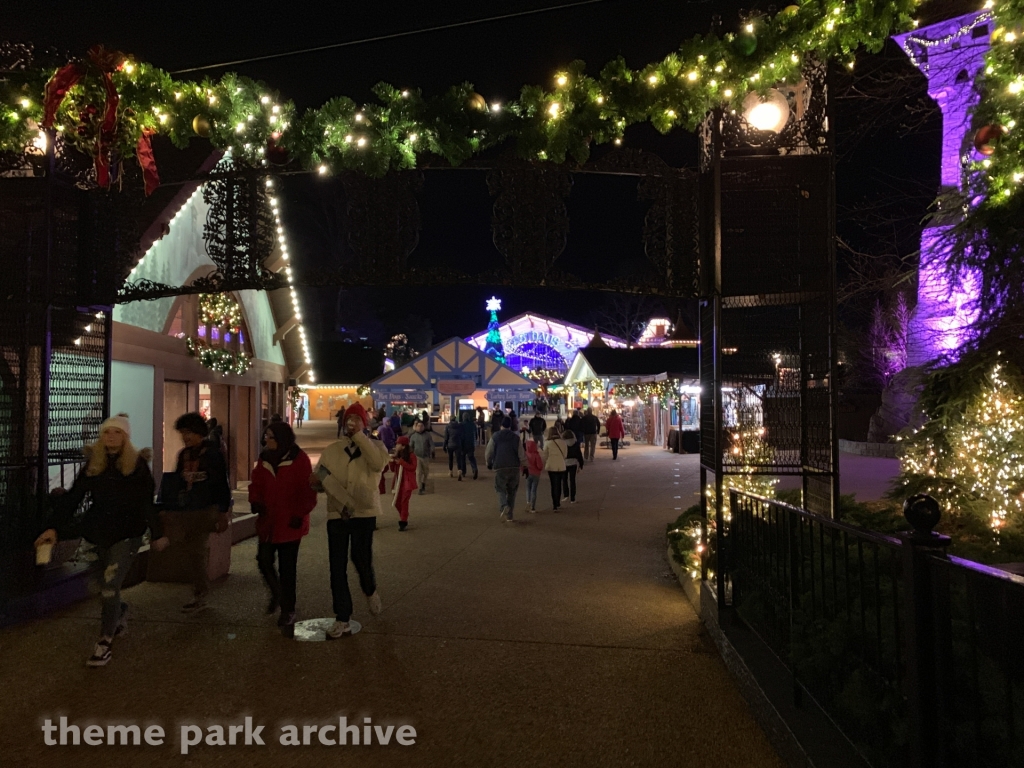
120 487
280 494
496 420
202 503
469 443
573 465
453 446
575 424
591 429
537 428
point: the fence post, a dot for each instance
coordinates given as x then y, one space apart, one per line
923 600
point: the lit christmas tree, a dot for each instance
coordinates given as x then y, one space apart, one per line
970 456
494 346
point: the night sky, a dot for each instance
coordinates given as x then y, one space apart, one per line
499 58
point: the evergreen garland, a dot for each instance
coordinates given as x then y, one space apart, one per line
223 361
555 122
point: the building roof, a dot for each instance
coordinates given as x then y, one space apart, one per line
531 321
637 362
454 359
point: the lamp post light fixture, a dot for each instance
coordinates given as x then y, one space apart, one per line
766 113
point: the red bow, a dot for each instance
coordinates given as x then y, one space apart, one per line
65 79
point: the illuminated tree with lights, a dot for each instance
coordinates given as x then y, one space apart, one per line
494 346
970 453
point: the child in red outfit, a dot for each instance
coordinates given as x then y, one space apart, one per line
403 464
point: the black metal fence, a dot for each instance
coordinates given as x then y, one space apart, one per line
916 656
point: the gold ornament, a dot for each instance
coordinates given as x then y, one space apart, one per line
790 10
476 102
201 126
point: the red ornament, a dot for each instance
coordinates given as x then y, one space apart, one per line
276 155
987 137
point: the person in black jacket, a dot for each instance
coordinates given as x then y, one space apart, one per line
537 427
573 464
591 429
117 479
202 503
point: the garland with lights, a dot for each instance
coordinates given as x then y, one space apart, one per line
220 310
223 361
564 121
666 391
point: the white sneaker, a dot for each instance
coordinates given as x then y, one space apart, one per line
339 630
504 512
373 601
101 654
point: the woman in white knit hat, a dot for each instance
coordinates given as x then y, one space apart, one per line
117 478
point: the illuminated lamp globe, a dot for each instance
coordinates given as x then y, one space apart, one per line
770 113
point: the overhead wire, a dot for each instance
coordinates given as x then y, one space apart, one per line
390 36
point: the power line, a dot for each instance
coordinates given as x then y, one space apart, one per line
387 37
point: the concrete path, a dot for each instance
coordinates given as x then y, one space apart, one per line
559 641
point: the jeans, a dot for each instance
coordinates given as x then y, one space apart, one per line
506 483
589 447
532 483
280 582
615 447
339 532
556 488
451 460
569 482
539 440
116 561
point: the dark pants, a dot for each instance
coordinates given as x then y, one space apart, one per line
556 488
452 460
339 532
468 455
569 482
615 447
280 581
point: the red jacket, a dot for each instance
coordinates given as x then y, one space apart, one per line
534 461
284 494
614 427
408 468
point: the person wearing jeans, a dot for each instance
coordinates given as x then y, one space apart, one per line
469 444
280 494
555 452
506 456
534 468
616 432
349 472
117 480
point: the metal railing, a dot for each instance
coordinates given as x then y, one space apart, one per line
916 656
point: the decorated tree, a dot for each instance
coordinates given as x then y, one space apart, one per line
969 454
494 346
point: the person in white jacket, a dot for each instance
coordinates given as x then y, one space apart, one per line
349 473
554 452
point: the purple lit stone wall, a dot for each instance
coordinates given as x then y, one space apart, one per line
950 54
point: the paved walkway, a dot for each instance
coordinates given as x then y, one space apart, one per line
561 641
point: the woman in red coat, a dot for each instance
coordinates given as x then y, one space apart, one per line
404 483
615 432
281 495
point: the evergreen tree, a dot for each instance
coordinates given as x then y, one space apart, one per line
494 347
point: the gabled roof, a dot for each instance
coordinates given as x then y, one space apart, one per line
453 359
679 362
531 321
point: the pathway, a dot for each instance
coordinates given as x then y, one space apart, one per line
560 641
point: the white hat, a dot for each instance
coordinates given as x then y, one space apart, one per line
117 422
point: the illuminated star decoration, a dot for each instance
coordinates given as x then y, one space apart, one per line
493 304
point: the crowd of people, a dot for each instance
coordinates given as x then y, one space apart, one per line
195 499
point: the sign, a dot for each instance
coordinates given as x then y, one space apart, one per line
456 386
411 396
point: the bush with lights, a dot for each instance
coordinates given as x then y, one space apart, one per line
223 361
969 455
